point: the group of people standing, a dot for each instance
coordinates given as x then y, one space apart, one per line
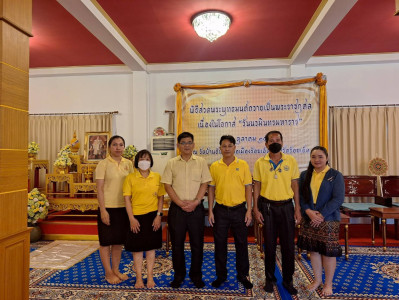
132 198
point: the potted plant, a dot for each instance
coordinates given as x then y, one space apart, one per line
33 149
37 209
130 152
66 150
63 160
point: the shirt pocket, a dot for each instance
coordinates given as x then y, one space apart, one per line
196 175
241 175
155 190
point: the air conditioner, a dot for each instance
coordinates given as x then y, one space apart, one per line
162 149
162 143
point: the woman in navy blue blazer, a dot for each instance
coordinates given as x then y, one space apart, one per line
322 191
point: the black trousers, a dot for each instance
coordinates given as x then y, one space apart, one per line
179 223
279 221
233 218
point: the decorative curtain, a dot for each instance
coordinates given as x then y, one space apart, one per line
359 134
393 139
52 132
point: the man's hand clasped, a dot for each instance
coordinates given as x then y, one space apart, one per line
189 205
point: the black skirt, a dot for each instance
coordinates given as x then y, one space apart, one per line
114 234
146 239
323 239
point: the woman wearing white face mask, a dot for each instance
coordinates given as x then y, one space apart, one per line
144 195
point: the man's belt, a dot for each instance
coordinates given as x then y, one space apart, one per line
275 202
231 207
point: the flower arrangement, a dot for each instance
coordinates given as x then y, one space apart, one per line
33 148
129 152
66 150
37 206
63 160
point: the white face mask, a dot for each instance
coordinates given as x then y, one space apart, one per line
144 164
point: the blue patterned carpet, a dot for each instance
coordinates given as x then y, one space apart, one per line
368 274
88 275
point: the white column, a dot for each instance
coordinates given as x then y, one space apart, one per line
139 128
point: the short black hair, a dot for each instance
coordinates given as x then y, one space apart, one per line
115 137
273 132
139 155
185 134
227 137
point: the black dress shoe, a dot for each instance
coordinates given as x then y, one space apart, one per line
198 283
176 283
269 287
246 283
290 288
218 282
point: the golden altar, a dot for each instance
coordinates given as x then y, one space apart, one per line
34 168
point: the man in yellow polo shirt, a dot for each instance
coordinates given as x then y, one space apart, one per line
186 179
276 185
231 186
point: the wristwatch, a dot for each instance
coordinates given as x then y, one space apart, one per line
160 214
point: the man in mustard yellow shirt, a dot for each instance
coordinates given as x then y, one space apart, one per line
276 186
186 179
231 186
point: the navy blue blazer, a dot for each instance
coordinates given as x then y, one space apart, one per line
330 198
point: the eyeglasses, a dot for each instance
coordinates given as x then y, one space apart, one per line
227 146
186 143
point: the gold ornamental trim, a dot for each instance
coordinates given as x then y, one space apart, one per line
73 206
84 187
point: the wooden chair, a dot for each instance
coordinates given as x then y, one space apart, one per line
389 188
361 186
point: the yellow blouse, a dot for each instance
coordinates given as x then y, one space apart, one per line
144 191
315 183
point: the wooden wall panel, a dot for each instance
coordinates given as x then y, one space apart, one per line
15 27
13 205
13 170
14 136
14 47
14 258
17 12
14 91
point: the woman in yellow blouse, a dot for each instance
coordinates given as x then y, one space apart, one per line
322 192
144 195
112 220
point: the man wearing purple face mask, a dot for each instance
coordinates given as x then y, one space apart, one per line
276 186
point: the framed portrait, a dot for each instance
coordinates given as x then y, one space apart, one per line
96 146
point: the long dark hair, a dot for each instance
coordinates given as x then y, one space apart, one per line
306 192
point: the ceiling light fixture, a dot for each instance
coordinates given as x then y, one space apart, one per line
211 24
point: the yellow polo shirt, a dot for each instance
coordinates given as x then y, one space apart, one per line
276 188
185 177
144 191
230 181
315 183
113 174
